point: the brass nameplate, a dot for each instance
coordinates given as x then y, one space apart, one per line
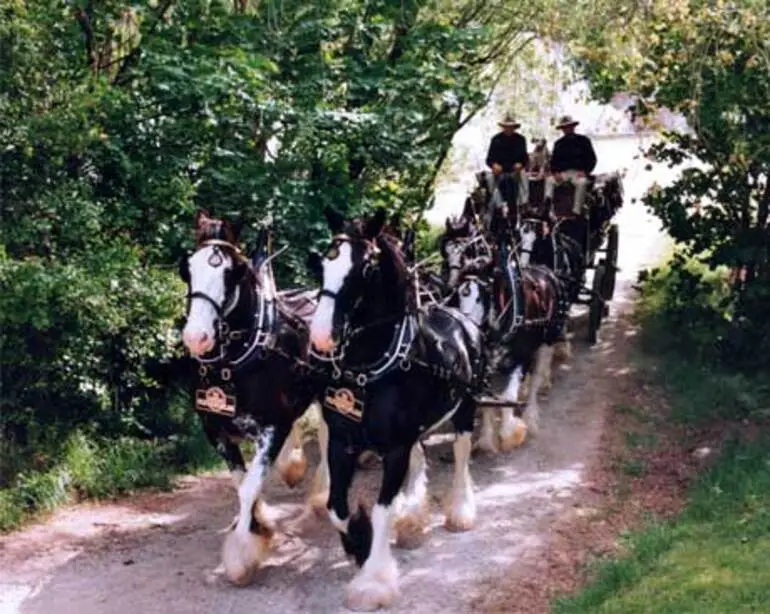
343 401
215 401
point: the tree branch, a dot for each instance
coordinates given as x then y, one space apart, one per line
84 19
131 57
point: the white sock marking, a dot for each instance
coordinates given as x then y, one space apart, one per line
510 394
251 486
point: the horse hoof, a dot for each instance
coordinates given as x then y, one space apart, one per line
242 556
372 590
368 460
459 522
514 439
318 503
485 446
293 471
410 528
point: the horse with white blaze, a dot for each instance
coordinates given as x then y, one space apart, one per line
523 312
395 373
253 384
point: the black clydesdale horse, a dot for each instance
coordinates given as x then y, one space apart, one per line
398 372
249 342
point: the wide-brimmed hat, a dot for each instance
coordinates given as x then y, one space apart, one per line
508 122
565 121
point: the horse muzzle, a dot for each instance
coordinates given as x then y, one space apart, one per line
198 343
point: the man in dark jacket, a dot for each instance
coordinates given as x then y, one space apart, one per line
573 159
507 155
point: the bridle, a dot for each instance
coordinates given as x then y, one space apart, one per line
370 261
229 304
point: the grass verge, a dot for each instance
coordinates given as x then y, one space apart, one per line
90 468
712 557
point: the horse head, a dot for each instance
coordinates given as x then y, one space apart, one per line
363 277
216 274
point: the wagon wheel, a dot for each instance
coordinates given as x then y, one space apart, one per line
612 262
596 306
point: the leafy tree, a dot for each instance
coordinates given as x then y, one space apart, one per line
711 62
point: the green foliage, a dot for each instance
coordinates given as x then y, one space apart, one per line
118 120
90 467
710 559
711 62
692 310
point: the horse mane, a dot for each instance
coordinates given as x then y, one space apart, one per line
403 279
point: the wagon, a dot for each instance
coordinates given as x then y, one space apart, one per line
593 231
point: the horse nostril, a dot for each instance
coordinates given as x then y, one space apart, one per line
204 338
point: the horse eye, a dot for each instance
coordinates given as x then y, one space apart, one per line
333 252
466 291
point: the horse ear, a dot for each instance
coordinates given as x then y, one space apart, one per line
375 224
314 264
334 220
237 228
202 217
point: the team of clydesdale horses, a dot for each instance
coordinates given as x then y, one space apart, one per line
386 368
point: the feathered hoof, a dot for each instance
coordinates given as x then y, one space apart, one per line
460 520
368 460
294 469
318 503
243 555
410 527
562 351
486 445
372 590
516 437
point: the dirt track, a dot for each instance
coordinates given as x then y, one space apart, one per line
151 554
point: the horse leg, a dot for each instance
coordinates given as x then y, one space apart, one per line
414 513
291 462
318 498
247 545
487 439
376 585
513 431
461 503
542 365
229 451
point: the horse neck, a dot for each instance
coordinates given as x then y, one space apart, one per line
242 316
385 302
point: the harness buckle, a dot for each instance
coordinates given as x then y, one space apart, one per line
226 374
224 327
203 370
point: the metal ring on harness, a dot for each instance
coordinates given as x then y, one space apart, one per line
226 374
203 370
361 380
405 365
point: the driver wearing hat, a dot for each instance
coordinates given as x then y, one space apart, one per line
508 154
573 159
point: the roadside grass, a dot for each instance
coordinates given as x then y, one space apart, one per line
89 467
712 558
98 468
